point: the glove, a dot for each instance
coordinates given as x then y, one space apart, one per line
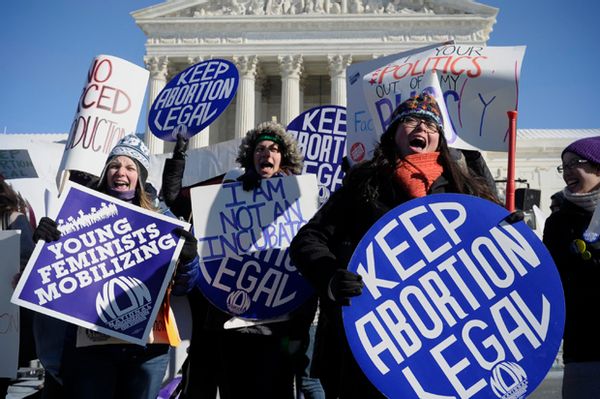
515 217
343 285
250 180
190 247
180 147
186 277
46 230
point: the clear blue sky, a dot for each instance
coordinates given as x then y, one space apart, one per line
47 47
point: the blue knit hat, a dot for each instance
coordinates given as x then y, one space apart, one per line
587 148
419 105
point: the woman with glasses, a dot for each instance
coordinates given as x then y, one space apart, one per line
579 265
412 160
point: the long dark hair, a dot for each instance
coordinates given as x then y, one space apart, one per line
385 160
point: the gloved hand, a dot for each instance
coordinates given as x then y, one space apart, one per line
343 285
180 147
46 230
515 217
250 180
186 277
190 247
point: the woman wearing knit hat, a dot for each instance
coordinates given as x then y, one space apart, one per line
412 160
578 263
109 368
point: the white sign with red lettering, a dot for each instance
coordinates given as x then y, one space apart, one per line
107 110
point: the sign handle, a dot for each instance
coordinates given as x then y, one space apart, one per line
512 149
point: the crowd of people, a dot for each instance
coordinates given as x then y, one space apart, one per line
306 353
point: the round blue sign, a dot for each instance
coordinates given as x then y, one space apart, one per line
457 303
193 99
321 136
260 286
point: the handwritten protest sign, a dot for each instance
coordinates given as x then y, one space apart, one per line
107 110
16 164
193 99
243 238
362 136
474 85
9 313
457 303
321 136
110 269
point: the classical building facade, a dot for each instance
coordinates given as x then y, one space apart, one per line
292 54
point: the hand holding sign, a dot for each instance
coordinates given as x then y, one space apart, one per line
344 285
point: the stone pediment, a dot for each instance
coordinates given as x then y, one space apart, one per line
208 8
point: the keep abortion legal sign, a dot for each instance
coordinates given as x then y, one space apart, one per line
457 303
109 270
193 99
243 239
321 136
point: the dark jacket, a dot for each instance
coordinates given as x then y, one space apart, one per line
580 279
326 243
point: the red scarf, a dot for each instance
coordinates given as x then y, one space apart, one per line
417 172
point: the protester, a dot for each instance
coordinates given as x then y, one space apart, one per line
12 217
412 160
578 263
260 360
107 369
556 201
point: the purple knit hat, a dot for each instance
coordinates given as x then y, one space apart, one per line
587 148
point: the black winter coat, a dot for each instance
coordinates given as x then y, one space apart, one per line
326 243
580 279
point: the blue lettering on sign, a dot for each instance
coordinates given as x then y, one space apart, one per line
321 136
262 285
193 99
457 303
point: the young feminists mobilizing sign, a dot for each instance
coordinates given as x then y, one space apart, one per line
457 303
193 99
243 240
475 86
109 270
107 110
321 136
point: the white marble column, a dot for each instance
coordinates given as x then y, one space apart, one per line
244 106
337 72
201 139
291 69
259 84
158 79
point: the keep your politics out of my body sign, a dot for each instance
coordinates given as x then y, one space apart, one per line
243 239
457 303
109 270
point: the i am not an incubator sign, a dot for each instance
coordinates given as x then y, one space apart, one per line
457 302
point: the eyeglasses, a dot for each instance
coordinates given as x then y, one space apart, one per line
412 122
571 165
274 148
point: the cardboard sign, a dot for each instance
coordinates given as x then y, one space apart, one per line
108 109
242 242
475 86
321 136
10 243
456 304
193 99
110 269
16 164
